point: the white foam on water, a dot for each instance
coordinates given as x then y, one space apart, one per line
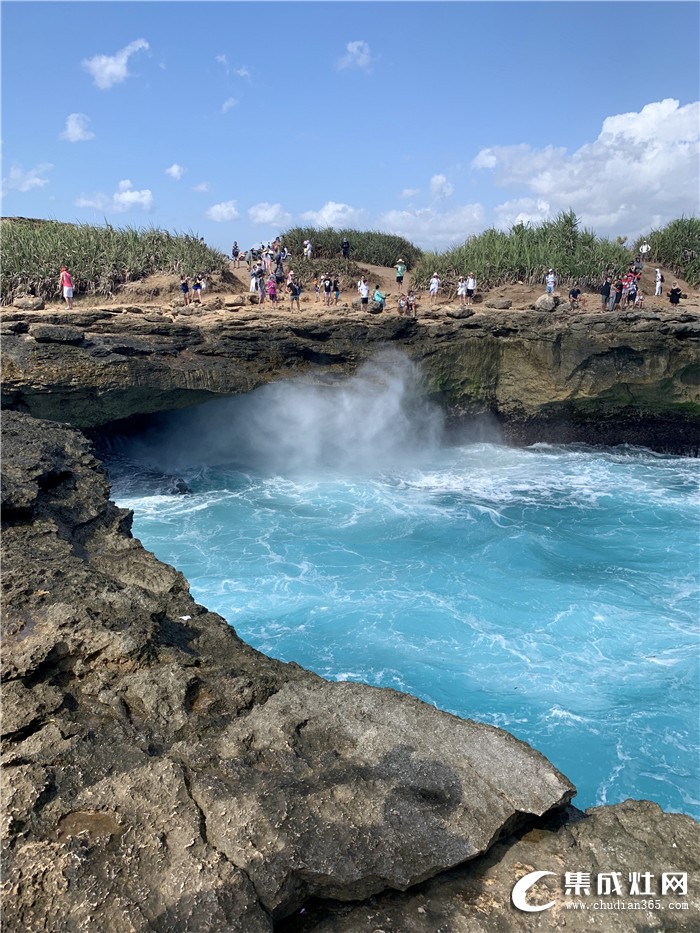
550 590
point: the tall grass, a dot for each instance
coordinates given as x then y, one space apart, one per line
100 258
676 247
525 254
368 246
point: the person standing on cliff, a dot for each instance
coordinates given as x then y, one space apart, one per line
400 272
345 248
471 287
66 285
675 294
659 281
434 288
550 282
604 292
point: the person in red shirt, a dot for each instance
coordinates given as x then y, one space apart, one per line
66 284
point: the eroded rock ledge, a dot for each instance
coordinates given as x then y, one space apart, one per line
560 376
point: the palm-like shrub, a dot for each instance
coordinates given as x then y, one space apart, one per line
100 259
676 247
368 246
525 253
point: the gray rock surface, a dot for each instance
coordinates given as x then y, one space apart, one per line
634 836
160 774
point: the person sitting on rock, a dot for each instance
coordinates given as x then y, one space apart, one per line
411 303
379 299
574 295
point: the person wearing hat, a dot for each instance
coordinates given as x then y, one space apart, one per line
434 288
400 270
550 281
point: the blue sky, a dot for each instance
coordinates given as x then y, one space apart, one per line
430 120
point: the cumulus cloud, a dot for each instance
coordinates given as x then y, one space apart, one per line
175 171
642 171
357 55
23 180
433 229
440 187
225 210
242 72
333 214
228 103
125 198
271 214
108 70
76 129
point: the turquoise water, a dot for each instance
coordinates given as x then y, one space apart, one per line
552 591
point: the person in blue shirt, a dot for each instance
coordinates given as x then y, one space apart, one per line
378 298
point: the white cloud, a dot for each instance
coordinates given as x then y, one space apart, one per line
523 211
201 187
228 103
357 55
642 171
410 192
271 214
175 171
98 202
222 60
76 129
108 70
432 229
243 72
333 214
125 198
225 210
440 187
20 180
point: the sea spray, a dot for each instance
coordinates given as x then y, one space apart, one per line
552 591
377 419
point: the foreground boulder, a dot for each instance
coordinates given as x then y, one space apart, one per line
604 849
160 774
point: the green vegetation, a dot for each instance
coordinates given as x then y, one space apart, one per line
100 259
676 247
525 253
369 246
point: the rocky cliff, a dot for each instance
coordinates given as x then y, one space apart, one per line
560 375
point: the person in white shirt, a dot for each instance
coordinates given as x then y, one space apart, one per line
434 288
659 281
471 287
462 290
363 289
550 281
